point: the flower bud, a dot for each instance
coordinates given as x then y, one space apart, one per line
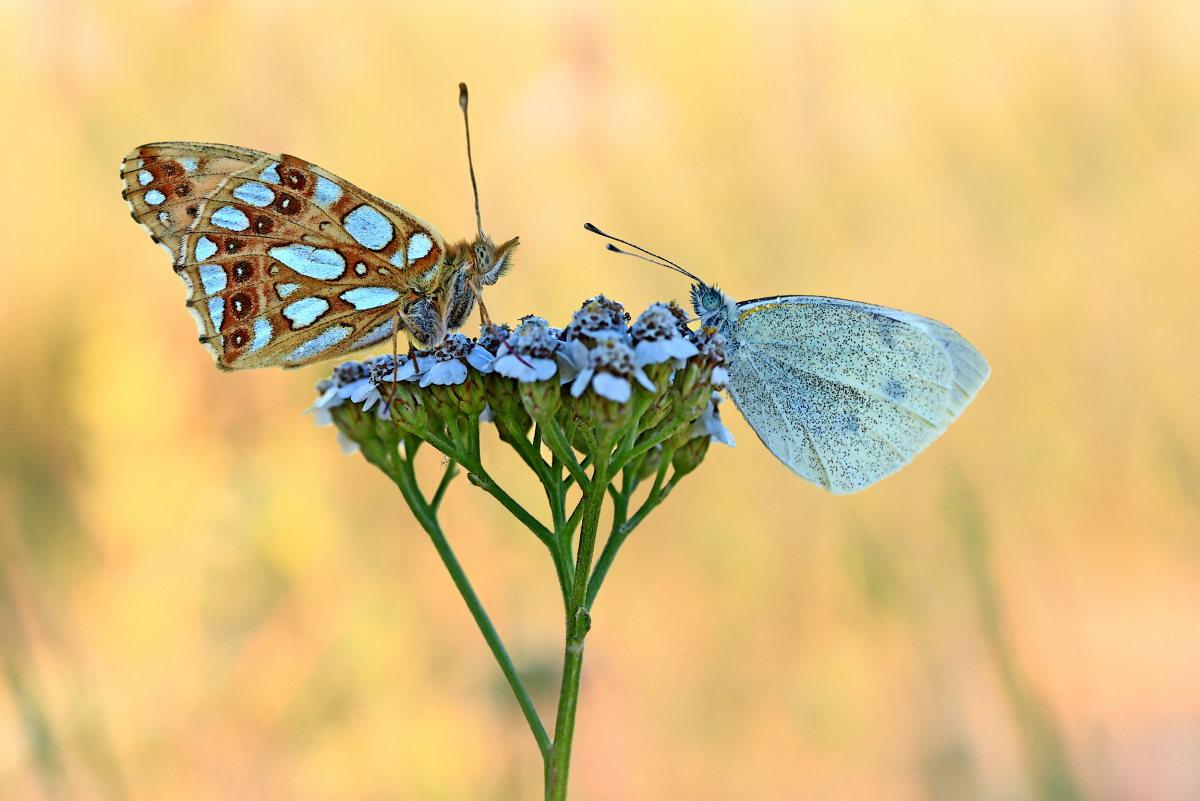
689 456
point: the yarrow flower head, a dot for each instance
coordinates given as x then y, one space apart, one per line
513 378
529 354
610 368
659 336
451 359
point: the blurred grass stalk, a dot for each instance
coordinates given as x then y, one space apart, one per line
1049 770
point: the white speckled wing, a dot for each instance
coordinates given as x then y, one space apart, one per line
847 393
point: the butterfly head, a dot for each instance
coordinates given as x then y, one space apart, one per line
484 260
708 302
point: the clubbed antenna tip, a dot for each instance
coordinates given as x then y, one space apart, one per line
659 260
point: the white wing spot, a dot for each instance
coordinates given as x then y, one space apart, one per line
229 217
368 227
375 334
321 342
255 194
327 192
305 312
324 265
216 311
145 177
270 175
369 297
205 247
212 276
188 164
154 197
164 218
419 247
262 334
360 268
283 290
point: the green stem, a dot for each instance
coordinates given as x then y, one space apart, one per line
400 470
578 622
447 477
621 531
556 440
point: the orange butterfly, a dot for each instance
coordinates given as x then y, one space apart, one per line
287 264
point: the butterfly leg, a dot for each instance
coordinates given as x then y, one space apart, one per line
397 318
486 319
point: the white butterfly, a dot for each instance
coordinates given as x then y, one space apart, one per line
843 393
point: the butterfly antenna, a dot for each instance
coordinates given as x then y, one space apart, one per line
661 261
462 103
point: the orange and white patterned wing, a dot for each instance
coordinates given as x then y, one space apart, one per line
286 264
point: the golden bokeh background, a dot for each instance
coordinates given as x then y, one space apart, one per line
201 598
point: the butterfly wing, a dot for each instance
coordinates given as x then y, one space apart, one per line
285 263
847 393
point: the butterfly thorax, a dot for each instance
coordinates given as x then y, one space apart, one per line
466 268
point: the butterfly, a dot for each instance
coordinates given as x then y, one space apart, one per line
843 393
287 264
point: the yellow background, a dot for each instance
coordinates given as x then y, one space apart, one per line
201 598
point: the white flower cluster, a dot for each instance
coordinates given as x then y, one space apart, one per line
598 350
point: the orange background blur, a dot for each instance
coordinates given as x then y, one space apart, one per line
201 598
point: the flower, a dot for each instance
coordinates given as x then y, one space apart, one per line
347 379
529 354
493 337
711 345
610 365
658 336
450 360
599 319
709 423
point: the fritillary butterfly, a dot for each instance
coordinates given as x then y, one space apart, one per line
287 264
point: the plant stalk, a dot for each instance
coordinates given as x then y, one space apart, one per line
578 623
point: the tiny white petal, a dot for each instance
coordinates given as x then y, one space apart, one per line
348 446
644 380
445 373
581 381
533 370
371 398
351 389
612 387
481 359
360 394
574 353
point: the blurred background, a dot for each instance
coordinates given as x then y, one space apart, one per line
201 598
